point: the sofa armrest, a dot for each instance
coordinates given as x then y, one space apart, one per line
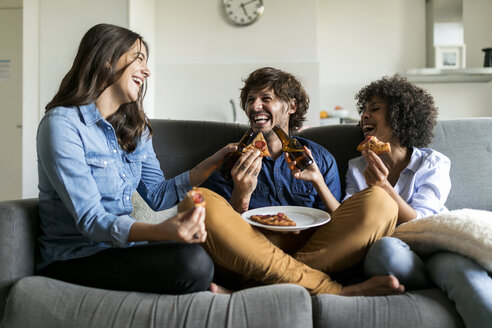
19 224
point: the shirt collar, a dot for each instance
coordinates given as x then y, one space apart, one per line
414 163
90 113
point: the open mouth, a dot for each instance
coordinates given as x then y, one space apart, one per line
367 129
137 80
260 119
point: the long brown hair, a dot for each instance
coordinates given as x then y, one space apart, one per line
94 69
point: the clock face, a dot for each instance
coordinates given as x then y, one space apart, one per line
243 12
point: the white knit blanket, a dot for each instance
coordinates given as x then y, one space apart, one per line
466 231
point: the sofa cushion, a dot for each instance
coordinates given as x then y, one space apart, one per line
423 308
40 302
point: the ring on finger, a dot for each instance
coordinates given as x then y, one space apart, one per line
242 168
195 236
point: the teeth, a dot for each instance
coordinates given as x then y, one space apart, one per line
261 118
137 81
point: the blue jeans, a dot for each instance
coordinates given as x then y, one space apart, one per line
391 256
467 284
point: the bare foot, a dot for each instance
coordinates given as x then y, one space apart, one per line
375 286
216 289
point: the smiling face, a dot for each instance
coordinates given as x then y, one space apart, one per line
265 110
374 120
126 89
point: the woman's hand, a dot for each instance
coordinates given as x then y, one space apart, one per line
202 171
245 176
311 173
188 227
376 173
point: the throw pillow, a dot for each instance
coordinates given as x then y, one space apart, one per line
142 212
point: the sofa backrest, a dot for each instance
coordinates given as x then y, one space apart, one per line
180 145
468 144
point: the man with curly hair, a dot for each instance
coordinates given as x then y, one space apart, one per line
273 97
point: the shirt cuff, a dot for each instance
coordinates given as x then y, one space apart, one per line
183 184
120 230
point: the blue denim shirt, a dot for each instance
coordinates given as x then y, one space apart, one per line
276 185
86 181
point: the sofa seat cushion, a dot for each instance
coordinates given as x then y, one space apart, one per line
42 302
422 308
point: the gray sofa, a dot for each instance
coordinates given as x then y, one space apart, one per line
32 301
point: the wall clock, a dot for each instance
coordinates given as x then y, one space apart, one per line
243 12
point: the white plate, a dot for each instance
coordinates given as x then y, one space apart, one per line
304 217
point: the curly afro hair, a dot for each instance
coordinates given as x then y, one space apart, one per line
285 85
411 114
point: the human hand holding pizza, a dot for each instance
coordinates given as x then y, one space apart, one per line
188 226
376 172
245 176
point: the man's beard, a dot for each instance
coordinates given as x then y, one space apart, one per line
267 134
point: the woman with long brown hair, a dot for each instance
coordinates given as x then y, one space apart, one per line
94 150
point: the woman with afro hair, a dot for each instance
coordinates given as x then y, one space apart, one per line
417 178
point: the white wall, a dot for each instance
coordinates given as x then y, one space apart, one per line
202 59
468 99
360 41
334 46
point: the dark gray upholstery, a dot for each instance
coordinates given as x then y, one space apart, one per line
41 302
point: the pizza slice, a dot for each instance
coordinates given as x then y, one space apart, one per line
259 143
196 196
279 219
374 144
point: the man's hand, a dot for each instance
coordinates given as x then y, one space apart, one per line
376 173
245 176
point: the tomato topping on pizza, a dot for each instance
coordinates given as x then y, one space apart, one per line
279 219
259 143
196 196
374 144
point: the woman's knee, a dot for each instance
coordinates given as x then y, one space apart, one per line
381 255
195 266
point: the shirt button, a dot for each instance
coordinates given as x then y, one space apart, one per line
276 170
108 128
114 150
105 163
123 175
127 198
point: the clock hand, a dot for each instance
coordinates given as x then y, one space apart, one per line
244 9
247 3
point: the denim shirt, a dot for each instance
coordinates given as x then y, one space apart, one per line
86 181
276 185
424 184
